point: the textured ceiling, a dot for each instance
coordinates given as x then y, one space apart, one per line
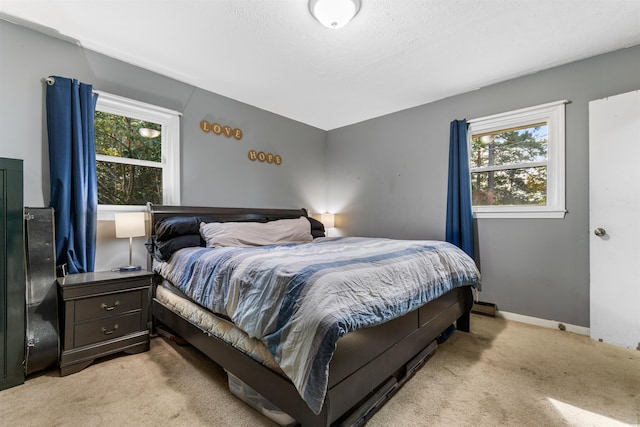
394 55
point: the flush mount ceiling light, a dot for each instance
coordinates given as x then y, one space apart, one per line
334 13
149 133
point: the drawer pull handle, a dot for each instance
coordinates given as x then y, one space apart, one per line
105 332
106 307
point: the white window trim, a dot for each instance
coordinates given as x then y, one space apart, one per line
553 114
170 146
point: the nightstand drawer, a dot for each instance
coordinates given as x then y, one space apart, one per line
105 329
107 305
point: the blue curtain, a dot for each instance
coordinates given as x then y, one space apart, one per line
459 210
72 165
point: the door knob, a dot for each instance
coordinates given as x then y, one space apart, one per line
599 232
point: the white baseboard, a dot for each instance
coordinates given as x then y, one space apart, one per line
551 324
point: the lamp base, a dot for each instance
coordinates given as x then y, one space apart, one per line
130 268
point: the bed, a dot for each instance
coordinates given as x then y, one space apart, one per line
367 360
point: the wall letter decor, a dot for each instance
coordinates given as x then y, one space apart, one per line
217 129
264 157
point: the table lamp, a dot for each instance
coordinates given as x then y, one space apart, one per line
328 220
130 224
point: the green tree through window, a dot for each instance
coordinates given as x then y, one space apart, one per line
508 167
127 149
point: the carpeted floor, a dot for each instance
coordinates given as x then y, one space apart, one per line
503 373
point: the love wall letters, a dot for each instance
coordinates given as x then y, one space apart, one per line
236 133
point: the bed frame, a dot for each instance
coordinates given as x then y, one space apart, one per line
369 365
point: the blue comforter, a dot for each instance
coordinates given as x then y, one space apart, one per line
299 299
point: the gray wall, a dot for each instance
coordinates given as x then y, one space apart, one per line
388 177
215 170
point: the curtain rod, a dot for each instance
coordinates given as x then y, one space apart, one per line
51 80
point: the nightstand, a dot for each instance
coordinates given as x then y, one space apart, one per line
103 313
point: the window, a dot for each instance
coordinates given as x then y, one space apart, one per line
517 163
137 154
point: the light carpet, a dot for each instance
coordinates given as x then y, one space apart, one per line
503 373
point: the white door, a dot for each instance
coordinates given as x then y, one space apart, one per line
614 190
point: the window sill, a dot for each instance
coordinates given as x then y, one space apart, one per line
520 214
107 212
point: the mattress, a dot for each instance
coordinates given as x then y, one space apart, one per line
214 325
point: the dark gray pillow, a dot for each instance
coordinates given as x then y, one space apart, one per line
317 228
175 226
162 251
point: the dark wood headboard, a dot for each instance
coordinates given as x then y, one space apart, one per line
159 212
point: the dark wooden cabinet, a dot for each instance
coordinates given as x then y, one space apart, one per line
103 313
12 274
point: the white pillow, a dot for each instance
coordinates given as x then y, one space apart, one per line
246 234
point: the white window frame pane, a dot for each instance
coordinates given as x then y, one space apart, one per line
553 114
170 146
509 166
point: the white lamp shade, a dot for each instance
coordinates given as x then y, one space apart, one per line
334 13
328 220
130 224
